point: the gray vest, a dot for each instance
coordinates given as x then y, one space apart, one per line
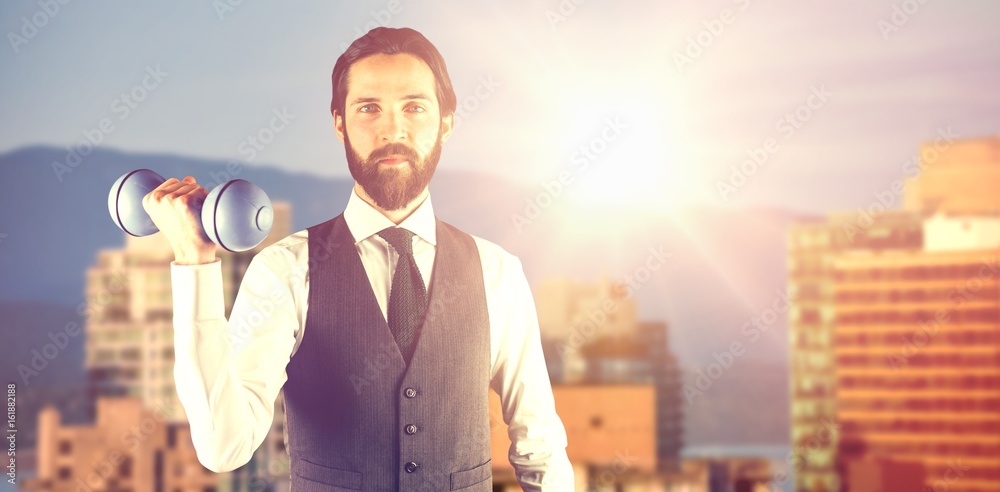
359 418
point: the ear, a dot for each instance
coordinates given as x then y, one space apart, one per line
447 125
338 125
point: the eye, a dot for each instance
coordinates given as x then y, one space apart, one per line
368 108
415 108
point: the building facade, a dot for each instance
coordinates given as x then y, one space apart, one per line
865 286
917 356
130 446
592 336
813 248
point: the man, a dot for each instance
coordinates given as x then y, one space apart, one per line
384 326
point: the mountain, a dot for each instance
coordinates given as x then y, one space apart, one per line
715 269
43 351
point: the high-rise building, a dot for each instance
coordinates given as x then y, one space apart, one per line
950 209
810 330
812 248
917 356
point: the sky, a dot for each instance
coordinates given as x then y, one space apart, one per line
650 104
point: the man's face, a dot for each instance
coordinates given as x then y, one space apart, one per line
392 127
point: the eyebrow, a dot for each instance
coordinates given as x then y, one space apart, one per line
408 97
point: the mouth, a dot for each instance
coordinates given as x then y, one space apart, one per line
393 160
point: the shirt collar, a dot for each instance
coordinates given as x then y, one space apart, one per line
363 220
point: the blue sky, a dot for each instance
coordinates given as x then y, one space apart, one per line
537 80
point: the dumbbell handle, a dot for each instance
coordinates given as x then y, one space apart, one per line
182 227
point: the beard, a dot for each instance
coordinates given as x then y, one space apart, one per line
392 188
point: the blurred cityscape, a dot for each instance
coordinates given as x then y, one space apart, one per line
894 318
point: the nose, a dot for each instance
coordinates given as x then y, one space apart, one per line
392 127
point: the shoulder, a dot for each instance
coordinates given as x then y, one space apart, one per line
494 253
500 267
286 254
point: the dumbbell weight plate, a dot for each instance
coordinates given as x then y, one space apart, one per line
125 201
237 215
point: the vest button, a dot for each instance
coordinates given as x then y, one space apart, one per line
411 467
410 392
411 429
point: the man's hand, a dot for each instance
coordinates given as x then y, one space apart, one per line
175 208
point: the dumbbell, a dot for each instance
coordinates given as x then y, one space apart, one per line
236 215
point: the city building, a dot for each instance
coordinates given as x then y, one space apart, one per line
879 475
611 436
591 335
128 447
644 358
812 249
955 177
917 357
862 284
571 314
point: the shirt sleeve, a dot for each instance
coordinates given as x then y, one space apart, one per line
229 372
538 438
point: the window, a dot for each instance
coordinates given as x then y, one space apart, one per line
810 316
102 356
125 468
130 354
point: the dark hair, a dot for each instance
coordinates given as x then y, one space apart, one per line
391 41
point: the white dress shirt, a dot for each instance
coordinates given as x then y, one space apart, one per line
229 373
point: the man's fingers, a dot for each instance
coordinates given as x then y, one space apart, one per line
172 184
176 189
196 194
184 189
197 191
169 186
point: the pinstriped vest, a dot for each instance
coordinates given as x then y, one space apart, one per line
357 417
